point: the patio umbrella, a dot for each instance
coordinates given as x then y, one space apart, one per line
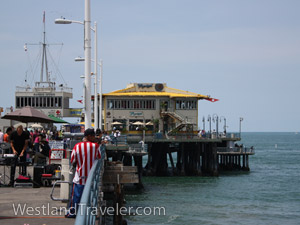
36 126
27 115
149 124
116 123
138 123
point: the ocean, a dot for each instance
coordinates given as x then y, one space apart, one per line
268 194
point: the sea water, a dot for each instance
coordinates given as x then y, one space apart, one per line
268 194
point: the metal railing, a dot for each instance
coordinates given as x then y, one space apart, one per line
119 140
139 147
241 149
90 195
196 136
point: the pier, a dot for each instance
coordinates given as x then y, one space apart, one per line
185 155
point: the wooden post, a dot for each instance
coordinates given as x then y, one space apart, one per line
118 203
247 163
182 172
138 162
178 164
214 160
172 162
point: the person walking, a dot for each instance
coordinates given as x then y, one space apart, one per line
83 155
19 142
1 136
7 134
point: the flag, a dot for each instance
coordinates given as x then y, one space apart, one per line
44 17
212 99
80 101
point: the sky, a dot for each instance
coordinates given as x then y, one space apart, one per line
245 53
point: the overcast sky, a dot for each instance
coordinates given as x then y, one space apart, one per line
245 53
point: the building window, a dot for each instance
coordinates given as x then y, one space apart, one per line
17 102
131 104
59 102
52 102
40 102
48 102
186 104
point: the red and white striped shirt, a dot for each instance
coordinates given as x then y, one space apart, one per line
84 155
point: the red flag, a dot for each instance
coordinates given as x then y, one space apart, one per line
212 99
80 101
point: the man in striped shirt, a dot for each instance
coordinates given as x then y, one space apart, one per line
84 154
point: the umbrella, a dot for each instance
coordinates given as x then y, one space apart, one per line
36 126
57 120
149 124
18 124
116 123
138 123
27 115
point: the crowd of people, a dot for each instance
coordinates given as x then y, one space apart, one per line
25 145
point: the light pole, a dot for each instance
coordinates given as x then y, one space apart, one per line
100 90
87 63
87 53
241 119
100 64
216 120
224 123
209 120
203 121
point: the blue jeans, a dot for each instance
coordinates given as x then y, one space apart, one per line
77 190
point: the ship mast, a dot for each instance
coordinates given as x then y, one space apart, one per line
44 57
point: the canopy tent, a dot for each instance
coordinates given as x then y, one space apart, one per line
57 120
27 115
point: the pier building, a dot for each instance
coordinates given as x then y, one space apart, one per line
153 106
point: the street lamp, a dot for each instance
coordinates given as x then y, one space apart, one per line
87 65
216 120
224 127
203 121
241 119
209 120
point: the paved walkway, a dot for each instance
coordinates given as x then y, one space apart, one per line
31 206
